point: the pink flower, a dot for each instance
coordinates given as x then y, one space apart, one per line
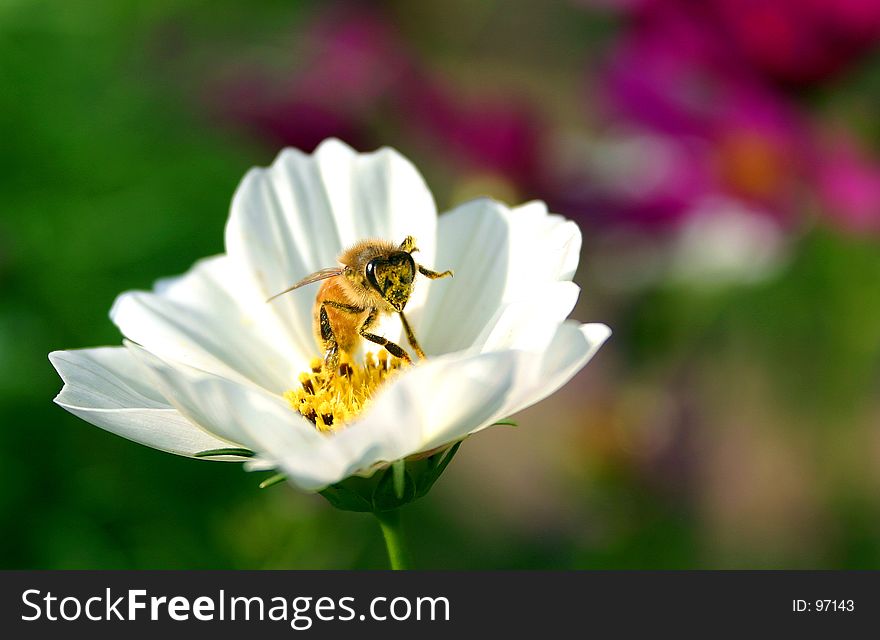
491 134
731 135
849 187
355 78
799 41
678 84
788 41
347 62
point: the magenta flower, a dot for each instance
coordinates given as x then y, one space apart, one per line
696 137
728 135
354 77
491 134
345 64
787 41
799 41
849 187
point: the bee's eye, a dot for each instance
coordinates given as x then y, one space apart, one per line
371 274
405 267
392 272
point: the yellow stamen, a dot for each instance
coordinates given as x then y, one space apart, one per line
331 401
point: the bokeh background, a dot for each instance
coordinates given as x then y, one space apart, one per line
721 156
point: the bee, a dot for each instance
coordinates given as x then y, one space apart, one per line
375 278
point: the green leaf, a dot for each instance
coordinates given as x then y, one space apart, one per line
505 423
232 451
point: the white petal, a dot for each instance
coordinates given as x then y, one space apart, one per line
259 420
529 324
298 215
449 397
546 246
308 459
571 348
106 387
473 241
433 404
499 256
446 398
180 384
461 394
208 319
399 424
412 414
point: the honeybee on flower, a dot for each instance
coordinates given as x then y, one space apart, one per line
209 369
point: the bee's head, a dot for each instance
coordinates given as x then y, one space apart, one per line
392 276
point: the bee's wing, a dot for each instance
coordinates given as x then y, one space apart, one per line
323 274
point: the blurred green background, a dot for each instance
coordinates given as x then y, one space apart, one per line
731 421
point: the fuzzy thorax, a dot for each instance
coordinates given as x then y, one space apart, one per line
331 401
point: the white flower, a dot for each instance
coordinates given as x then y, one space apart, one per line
207 361
724 242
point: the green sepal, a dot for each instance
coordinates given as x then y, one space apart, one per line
231 451
349 495
386 496
272 480
398 474
398 484
437 465
507 422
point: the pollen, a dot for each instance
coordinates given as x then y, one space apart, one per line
330 401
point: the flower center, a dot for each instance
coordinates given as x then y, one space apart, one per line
330 401
752 164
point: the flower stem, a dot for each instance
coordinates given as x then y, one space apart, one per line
389 521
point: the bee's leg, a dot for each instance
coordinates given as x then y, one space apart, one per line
433 274
331 346
408 245
394 349
411 337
